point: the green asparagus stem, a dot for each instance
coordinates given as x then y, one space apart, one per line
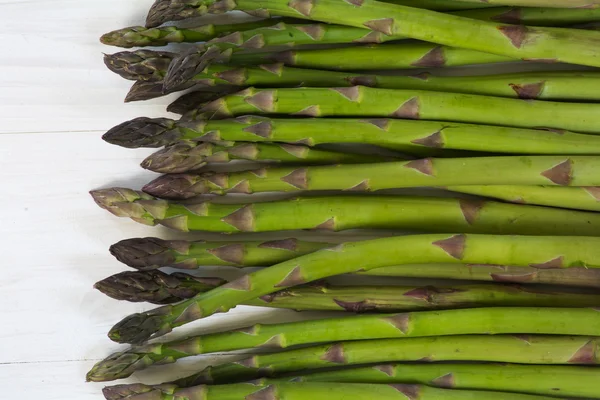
494 273
368 57
139 36
560 85
299 391
539 3
512 170
159 288
198 98
564 45
534 16
189 155
350 212
554 252
187 67
548 321
397 134
522 349
548 380
361 101
147 254
578 198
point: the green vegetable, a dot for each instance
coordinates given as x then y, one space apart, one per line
512 170
564 45
578 198
549 380
556 252
190 155
350 212
302 391
361 101
547 321
521 349
397 134
147 254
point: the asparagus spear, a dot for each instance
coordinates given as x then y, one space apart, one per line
147 254
186 68
580 276
564 45
398 134
151 253
189 155
350 212
536 16
549 380
318 391
361 101
522 349
558 85
540 3
159 288
547 321
578 198
512 170
139 36
349 257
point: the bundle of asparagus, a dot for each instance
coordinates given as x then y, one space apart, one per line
302 99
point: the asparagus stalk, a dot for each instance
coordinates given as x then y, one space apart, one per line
318 391
547 321
555 252
189 155
159 288
147 254
539 3
189 65
579 276
528 349
368 57
548 380
145 90
559 85
361 101
578 198
350 212
564 45
512 170
139 36
397 134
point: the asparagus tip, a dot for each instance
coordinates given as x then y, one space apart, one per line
137 328
121 37
143 253
177 186
124 202
144 90
189 64
123 392
143 132
180 157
